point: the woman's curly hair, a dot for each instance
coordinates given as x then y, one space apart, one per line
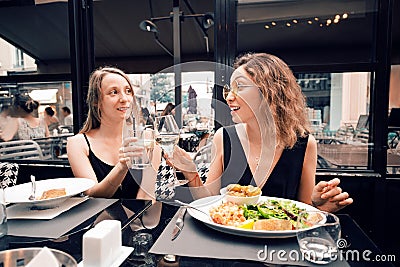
279 88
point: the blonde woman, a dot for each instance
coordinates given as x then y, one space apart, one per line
96 152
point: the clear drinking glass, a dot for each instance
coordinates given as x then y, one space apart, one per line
167 136
317 234
145 139
142 242
134 127
166 133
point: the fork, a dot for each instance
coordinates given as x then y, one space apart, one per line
186 205
33 193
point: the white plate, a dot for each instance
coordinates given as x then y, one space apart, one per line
73 186
206 203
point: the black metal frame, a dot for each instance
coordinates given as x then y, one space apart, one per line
82 55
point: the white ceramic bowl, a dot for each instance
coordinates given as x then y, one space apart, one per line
22 256
239 200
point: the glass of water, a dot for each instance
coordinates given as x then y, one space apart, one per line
145 140
317 234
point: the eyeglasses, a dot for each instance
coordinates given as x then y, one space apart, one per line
234 88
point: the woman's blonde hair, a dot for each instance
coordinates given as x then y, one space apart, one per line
279 88
94 98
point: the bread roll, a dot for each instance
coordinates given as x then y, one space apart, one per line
272 225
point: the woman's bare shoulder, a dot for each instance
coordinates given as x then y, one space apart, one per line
77 139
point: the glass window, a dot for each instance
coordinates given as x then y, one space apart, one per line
393 159
338 109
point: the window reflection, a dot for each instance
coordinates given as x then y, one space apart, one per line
338 109
31 121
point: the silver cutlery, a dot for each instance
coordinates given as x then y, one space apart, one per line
33 193
179 223
186 205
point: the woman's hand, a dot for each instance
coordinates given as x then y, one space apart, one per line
129 150
328 196
181 160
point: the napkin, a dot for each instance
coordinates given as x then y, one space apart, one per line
22 211
45 258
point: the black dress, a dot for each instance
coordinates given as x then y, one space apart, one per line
129 186
284 179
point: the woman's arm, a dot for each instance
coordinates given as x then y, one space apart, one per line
307 181
78 151
326 196
185 164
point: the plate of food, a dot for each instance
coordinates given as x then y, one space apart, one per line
270 217
49 193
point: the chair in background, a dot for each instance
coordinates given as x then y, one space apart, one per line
363 123
362 136
46 145
20 149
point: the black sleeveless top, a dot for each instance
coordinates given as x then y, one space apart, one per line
129 186
284 179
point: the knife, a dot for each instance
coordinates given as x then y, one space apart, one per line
179 223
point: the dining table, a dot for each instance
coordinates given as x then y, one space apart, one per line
196 245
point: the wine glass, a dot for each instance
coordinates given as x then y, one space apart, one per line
167 136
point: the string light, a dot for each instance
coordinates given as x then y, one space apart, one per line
310 21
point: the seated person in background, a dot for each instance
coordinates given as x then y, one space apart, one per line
168 110
25 126
270 146
96 151
51 120
147 119
68 118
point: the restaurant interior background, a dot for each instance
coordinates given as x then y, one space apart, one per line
345 54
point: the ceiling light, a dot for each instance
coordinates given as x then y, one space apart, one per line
208 20
309 22
288 24
316 19
273 23
266 26
345 16
148 26
295 21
